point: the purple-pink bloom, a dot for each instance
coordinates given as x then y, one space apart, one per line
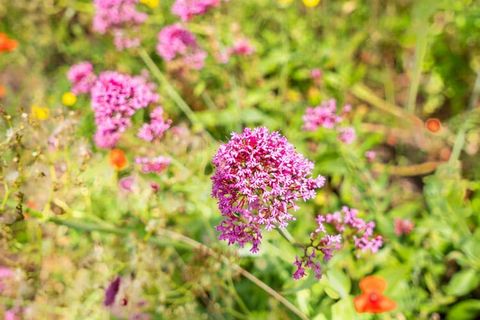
316 74
153 165
242 47
111 292
11 314
115 98
370 155
324 116
259 177
5 273
127 183
81 77
403 226
347 135
174 40
157 126
187 9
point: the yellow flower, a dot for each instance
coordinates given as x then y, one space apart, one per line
311 3
40 113
293 95
69 99
314 96
150 3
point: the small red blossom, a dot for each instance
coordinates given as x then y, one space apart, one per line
118 160
372 299
433 125
7 44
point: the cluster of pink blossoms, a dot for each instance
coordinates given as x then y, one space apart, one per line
175 40
403 226
115 98
82 77
153 165
187 9
259 177
241 47
343 224
325 116
157 126
115 16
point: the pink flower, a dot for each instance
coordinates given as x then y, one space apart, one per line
5 273
117 16
127 183
370 155
153 165
242 47
157 126
187 9
115 98
316 74
11 315
347 135
81 77
321 116
344 225
258 178
175 40
403 226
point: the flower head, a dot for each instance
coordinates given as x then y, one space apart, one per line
7 44
118 160
187 9
433 125
324 116
81 77
403 226
347 135
69 99
157 126
153 165
111 292
176 41
259 177
115 98
372 299
242 47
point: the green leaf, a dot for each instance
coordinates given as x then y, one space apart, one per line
339 281
463 282
343 310
465 310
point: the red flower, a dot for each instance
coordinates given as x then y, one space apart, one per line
372 299
7 44
433 125
118 160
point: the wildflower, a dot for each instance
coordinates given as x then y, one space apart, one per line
174 40
403 226
242 47
187 9
311 3
433 125
316 74
372 299
127 183
69 99
11 315
332 230
7 44
157 126
153 165
118 160
40 113
347 135
81 77
3 91
111 292
321 116
370 155
150 3
115 98
258 178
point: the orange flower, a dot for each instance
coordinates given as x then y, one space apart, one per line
7 44
433 125
118 160
372 299
3 91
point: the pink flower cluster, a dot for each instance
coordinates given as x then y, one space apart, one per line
153 165
115 98
174 40
403 226
187 9
241 47
157 126
115 16
343 224
82 77
5 273
259 177
325 116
